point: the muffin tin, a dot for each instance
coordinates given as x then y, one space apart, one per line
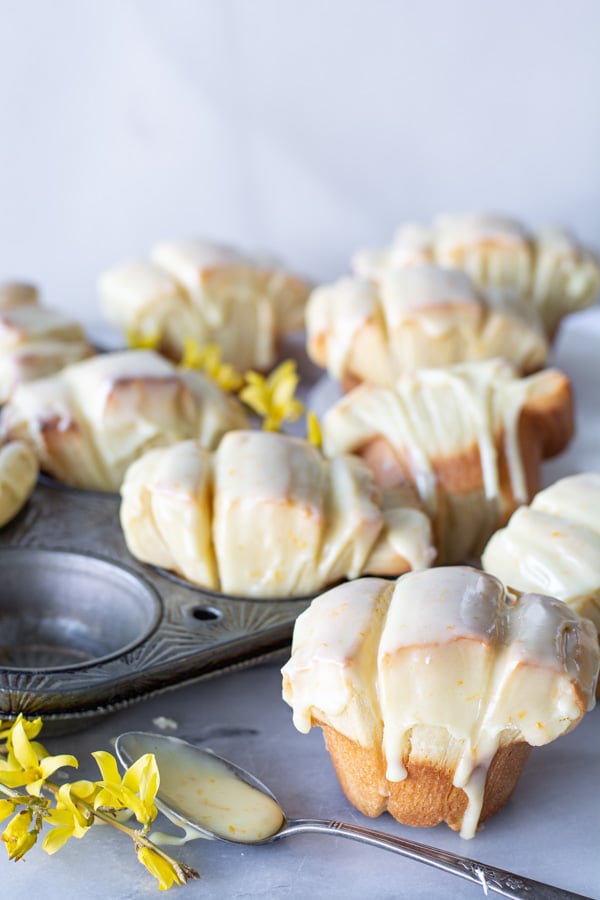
86 629
144 630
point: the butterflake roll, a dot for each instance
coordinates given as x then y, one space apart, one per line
431 691
265 515
34 341
17 293
469 438
18 474
416 316
90 421
553 545
210 293
551 272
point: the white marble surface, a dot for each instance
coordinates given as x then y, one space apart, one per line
549 830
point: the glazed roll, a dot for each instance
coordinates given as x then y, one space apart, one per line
553 545
414 317
210 293
431 690
468 438
550 273
265 515
18 474
89 422
34 340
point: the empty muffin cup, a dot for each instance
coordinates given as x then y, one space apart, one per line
63 610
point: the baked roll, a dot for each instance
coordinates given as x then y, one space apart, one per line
553 545
417 316
265 515
15 293
34 341
551 273
431 690
18 475
566 277
90 421
208 292
469 438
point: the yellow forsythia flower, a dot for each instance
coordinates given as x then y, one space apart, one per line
32 728
7 808
273 397
24 762
28 763
136 791
17 835
69 819
313 430
140 340
209 359
166 872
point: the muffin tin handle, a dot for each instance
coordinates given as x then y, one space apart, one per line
490 878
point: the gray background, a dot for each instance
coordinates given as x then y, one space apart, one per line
302 127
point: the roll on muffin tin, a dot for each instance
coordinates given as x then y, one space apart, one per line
86 629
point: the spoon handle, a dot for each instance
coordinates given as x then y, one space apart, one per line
490 878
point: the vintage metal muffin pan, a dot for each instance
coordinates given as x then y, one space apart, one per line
85 628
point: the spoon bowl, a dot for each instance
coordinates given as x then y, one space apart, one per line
208 796
204 794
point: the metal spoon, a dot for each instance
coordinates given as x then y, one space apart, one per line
188 774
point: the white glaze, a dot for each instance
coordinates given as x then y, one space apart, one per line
141 297
412 245
248 307
444 649
267 516
203 789
566 277
106 411
207 292
166 512
553 546
28 324
419 287
185 259
438 414
18 475
332 675
413 317
453 231
336 313
551 273
34 342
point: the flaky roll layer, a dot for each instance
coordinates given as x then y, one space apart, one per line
34 341
468 438
266 515
210 293
18 474
552 546
550 273
416 316
431 690
89 422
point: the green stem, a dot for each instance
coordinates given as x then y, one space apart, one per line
10 792
184 872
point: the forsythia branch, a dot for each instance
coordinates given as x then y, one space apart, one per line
25 763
